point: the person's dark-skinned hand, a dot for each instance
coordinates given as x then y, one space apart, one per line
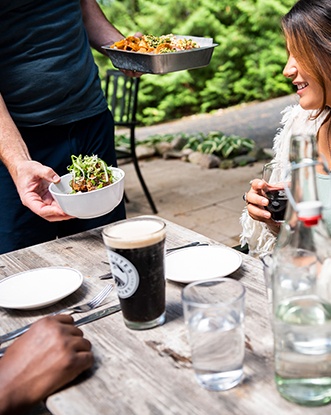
256 202
50 355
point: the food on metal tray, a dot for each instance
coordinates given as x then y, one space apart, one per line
89 173
155 44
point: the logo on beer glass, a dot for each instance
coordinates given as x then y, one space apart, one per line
125 275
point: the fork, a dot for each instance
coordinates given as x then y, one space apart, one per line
93 303
82 308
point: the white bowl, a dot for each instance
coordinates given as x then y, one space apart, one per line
91 204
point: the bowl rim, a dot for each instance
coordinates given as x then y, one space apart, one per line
57 193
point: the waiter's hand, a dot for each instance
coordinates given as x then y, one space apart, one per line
32 181
133 74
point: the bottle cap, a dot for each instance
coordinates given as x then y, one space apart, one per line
310 212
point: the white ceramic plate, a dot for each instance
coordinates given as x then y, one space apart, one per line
201 263
38 287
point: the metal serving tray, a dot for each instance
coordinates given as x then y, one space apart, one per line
164 62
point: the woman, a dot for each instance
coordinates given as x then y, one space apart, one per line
307 28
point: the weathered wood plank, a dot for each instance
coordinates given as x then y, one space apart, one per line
149 372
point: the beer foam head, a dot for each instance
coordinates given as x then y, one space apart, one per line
134 233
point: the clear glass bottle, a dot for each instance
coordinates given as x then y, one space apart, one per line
301 287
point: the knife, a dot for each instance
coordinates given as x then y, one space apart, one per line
98 314
186 246
84 320
91 317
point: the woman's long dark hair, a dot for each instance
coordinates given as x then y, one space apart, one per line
307 28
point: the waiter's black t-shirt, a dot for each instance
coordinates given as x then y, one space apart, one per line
47 71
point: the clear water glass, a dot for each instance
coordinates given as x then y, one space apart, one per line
214 316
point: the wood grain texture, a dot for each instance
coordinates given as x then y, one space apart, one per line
149 372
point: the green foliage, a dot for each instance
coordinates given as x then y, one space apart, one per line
247 65
220 144
215 143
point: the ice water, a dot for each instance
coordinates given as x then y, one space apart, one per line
303 350
218 349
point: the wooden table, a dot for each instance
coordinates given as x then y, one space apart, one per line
149 372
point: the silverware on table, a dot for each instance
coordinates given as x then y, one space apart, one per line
90 305
107 276
88 319
98 314
197 243
95 302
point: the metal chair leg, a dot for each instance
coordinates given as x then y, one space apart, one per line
123 101
143 184
137 168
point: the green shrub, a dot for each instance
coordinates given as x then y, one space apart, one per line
215 143
247 65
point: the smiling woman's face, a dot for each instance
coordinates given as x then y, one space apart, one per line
309 90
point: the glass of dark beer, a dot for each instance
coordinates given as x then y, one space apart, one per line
136 249
275 174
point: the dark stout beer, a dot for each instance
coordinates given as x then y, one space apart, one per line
136 252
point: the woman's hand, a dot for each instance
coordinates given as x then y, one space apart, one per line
256 203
